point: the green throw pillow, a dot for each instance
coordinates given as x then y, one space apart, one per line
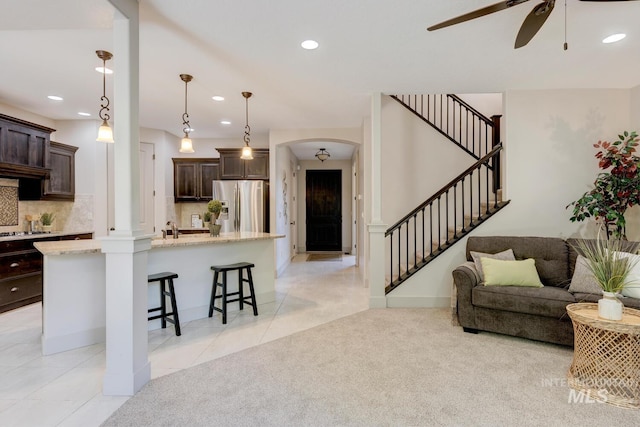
510 273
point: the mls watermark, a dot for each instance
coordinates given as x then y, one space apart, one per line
594 390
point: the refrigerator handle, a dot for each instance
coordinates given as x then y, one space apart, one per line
236 218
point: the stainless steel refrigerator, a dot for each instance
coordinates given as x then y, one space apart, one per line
244 205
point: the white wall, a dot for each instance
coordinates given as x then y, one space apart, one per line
417 161
549 163
280 194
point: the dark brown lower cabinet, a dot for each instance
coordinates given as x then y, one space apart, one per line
21 270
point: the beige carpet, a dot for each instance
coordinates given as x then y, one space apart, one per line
380 367
324 257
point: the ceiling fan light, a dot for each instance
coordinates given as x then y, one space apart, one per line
613 38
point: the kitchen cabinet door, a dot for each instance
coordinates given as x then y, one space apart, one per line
24 147
61 184
192 179
233 167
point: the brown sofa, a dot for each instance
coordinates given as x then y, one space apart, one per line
534 313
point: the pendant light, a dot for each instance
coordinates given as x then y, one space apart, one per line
105 133
186 146
323 155
246 150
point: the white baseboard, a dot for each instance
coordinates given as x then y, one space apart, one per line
416 302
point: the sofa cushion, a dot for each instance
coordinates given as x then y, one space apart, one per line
548 301
550 253
632 283
583 280
510 273
504 255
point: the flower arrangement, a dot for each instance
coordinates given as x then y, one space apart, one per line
615 190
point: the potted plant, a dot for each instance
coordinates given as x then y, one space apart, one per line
610 260
616 189
47 220
207 218
214 207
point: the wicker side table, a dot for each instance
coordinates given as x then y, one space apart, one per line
606 358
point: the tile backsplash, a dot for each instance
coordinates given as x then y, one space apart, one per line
76 216
9 202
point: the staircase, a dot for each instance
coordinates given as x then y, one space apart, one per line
461 205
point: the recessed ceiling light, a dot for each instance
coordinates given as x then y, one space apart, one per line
225 122
104 70
218 98
614 38
55 98
309 44
80 113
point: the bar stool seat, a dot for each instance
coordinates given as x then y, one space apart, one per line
225 296
166 290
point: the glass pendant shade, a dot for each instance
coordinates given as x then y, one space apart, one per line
186 146
247 154
105 133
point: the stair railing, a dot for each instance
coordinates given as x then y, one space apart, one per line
444 218
458 121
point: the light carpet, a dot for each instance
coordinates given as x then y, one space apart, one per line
380 367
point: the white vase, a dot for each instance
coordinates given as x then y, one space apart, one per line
610 307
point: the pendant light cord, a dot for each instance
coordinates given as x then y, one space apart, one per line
104 106
566 45
247 129
185 116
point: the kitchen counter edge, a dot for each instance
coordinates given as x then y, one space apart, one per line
71 247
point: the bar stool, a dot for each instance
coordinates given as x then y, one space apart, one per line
164 277
225 296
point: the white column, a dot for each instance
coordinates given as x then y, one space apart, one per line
376 227
125 249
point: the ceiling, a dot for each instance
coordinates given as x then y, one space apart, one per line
366 46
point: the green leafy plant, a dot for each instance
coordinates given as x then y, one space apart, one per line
207 216
47 218
214 206
616 189
604 260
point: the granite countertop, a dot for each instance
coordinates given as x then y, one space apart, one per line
70 247
26 236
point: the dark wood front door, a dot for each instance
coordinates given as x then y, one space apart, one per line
324 210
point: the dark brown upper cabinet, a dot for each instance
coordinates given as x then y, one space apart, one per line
233 167
24 148
61 184
193 177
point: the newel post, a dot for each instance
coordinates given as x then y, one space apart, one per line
495 140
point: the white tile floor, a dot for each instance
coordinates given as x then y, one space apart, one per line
65 389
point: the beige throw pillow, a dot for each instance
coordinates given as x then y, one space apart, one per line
504 256
583 280
510 273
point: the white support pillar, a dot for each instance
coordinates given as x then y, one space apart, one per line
126 249
377 227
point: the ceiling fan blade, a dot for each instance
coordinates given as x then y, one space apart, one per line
477 13
603 1
533 22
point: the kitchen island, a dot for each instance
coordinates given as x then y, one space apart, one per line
74 285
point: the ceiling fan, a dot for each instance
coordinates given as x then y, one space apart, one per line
532 23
